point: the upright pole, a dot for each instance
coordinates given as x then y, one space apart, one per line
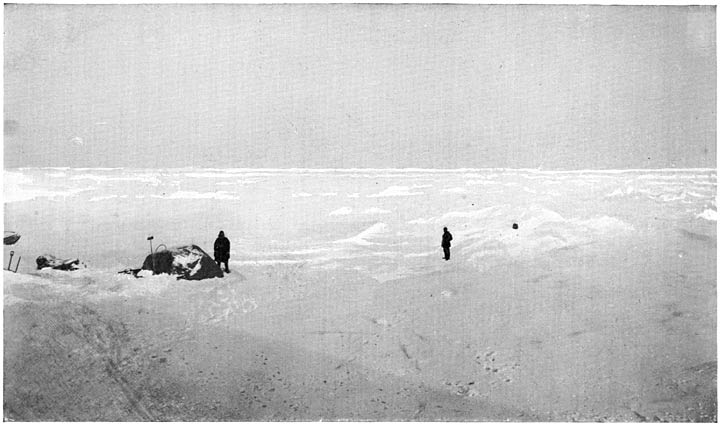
152 257
10 262
17 264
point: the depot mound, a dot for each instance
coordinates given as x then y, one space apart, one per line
188 262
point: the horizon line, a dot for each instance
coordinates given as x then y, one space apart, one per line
407 169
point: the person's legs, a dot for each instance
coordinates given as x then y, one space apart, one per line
447 252
227 266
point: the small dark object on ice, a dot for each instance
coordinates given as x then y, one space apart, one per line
133 272
515 226
47 260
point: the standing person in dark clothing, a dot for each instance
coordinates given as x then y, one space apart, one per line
446 238
222 250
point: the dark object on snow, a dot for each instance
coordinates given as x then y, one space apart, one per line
222 250
47 260
446 238
187 262
9 238
133 272
515 226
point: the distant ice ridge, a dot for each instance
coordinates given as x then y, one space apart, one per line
685 188
388 172
218 175
341 211
456 190
395 191
367 211
182 194
454 215
18 187
483 182
50 182
142 178
375 210
19 195
365 237
708 214
108 197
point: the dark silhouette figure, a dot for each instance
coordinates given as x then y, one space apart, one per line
222 250
446 238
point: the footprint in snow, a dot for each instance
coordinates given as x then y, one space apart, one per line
380 322
492 366
465 390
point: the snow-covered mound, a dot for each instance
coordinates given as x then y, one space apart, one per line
341 211
710 215
187 262
365 237
486 233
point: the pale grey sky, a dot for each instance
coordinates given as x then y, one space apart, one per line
337 86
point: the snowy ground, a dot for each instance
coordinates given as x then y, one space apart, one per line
600 306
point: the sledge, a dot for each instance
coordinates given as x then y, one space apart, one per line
50 261
9 238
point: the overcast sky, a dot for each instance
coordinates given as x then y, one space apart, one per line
339 86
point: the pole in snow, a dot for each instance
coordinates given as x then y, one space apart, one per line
152 257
